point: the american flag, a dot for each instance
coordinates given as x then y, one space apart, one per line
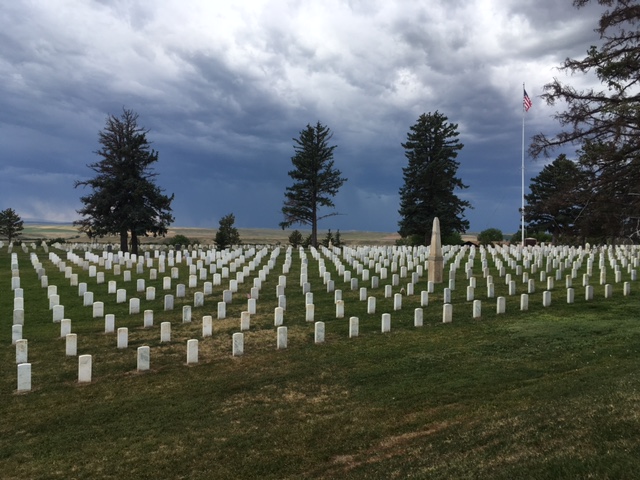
526 102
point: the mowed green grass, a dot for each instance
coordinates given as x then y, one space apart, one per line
548 393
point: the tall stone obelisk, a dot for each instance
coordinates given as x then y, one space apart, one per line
435 261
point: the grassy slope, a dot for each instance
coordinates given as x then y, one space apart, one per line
549 393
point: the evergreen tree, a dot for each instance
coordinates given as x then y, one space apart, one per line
11 225
557 199
227 233
609 116
124 197
316 181
431 149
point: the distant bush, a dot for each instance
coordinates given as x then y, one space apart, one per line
178 240
296 239
490 235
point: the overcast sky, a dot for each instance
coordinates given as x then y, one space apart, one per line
224 87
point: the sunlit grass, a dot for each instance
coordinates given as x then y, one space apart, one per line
547 393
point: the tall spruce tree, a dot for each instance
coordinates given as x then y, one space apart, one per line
316 181
124 198
430 180
557 199
11 225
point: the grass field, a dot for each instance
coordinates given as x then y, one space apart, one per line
69 233
551 392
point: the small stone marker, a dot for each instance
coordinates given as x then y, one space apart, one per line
354 327
397 302
245 321
524 302
123 337
309 312
65 327
84 368
192 351
371 305
168 303
22 350
109 323
447 313
222 310
165 332
278 316
281 342
186 314
319 332
144 358
501 305
546 298
98 309
207 326
340 309
134 306
24 377
418 317
477 309
386 322
237 344
71 345
18 316
424 298
16 333
58 313
571 293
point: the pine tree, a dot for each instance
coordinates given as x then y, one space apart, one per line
11 225
316 181
556 202
124 197
227 233
430 180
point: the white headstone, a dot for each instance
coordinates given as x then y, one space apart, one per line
165 332
22 351
123 337
24 377
109 323
207 326
238 344
192 351
84 368
71 345
144 358
386 322
282 338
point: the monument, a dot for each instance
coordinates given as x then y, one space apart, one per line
436 262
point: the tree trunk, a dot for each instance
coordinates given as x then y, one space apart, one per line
124 244
134 243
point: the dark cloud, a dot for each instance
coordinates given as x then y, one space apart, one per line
223 89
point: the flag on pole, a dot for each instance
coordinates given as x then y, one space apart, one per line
526 102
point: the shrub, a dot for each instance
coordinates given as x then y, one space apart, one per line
490 235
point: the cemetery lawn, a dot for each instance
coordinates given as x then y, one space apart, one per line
549 393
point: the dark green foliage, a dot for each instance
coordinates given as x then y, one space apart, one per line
556 200
124 198
11 225
609 116
337 240
604 122
453 238
227 234
179 240
296 239
328 239
489 236
316 181
430 180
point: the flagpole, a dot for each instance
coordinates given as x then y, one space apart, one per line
522 199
